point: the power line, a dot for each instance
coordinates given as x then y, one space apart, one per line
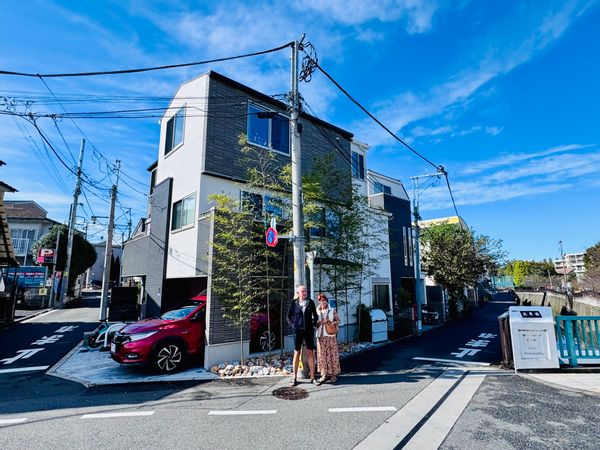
353 100
146 69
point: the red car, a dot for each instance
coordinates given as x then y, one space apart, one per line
165 342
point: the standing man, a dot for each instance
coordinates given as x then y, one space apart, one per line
302 317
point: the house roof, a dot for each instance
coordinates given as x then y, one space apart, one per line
24 209
6 188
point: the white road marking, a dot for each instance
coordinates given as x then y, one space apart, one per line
434 431
13 421
23 369
22 354
363 409
242 413
455 361
117 414
390 433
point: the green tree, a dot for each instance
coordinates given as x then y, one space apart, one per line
520 271
83 254
591 257
236 263
457 258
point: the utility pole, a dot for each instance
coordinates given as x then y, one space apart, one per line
108 249
52 298
419 288
72 219
297 212
564 265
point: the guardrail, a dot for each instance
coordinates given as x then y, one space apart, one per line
578 338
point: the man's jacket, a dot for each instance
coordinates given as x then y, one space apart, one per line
299 321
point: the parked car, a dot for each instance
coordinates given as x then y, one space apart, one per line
429 315
164 342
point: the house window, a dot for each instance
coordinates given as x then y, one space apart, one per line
253 203
406 245
275 207
411 250
380 187
174 137
183 212
358 166
268 129
381 297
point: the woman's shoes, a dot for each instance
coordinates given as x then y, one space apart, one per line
315 382
322 379
333 379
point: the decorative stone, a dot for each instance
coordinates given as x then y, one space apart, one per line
229 367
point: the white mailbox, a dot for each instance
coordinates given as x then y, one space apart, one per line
533 338
379 326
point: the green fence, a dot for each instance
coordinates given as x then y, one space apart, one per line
578 339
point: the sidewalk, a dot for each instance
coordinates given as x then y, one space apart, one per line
580 382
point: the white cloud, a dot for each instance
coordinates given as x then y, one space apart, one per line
417 13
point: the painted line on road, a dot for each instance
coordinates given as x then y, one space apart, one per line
436 428
37 316
363 409
23 369
13 421
409 418
117 414
242 413
454 361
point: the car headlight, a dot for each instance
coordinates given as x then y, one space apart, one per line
140 336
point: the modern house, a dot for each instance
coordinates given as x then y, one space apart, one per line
170 253
28 222
570 262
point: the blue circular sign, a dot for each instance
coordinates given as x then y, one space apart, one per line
271 236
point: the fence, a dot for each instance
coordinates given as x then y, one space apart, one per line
578 339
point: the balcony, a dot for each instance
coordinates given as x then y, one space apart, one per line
22 246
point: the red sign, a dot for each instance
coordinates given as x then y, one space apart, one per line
45 255
271 237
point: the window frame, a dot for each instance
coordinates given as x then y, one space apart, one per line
358 166
173 119
182 214
375 298
269 146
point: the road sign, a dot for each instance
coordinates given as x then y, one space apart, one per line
271 237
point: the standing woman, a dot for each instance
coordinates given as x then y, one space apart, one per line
327 348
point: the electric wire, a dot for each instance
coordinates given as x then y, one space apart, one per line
145 69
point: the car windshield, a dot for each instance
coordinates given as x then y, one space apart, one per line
179 313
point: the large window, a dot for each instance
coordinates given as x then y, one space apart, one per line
358 166
183 212
259 205
174 136
268 129
381 297
380 187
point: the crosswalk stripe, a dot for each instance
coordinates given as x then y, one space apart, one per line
242 413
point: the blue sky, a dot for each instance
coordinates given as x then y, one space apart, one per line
505 95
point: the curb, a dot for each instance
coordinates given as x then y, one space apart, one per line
39 313
53 370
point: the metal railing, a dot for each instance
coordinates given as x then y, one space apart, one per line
578 338
22 246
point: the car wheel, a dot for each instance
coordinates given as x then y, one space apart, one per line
267 341
168 357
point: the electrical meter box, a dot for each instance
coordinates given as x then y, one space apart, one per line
533 338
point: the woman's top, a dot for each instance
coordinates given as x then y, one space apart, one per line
325 314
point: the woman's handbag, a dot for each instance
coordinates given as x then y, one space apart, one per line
331 327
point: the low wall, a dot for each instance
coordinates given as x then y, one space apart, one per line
582 305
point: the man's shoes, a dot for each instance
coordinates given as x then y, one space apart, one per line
315 382
293 382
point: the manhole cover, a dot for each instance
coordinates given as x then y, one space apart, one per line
290 393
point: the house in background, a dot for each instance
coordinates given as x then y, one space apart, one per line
28 222
93 276
199 154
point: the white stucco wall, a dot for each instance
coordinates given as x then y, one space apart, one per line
184 164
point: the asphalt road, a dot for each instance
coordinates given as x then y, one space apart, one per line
385 397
